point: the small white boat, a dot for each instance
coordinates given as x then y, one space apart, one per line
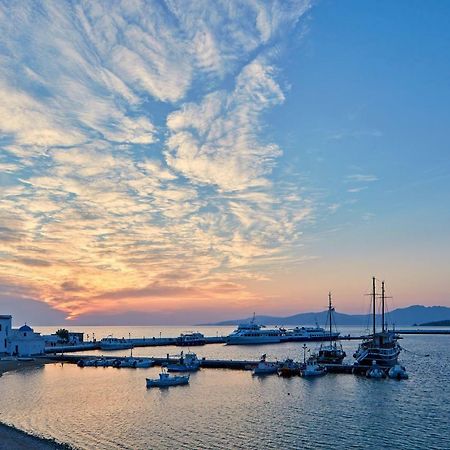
103 362
312 369
375 371
265 368
187 363
398 372
134 363
96 362
167 380
112 343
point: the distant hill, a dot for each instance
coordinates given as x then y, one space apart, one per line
401 316
438 323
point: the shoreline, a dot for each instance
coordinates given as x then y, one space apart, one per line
17 439
10 364
12 437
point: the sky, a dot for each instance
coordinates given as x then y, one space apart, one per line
173 162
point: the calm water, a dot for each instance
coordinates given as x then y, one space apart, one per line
106 408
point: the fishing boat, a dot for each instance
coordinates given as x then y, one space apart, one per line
187 363
265 368
289 368
191 339
332 352
311 367
112 343
167 380
252 333
379 347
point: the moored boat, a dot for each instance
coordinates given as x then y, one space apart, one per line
188 363
191 339
112 343
305 334
265 368
167 380
312 369
134 363
252 333
379 347
289 368
332 352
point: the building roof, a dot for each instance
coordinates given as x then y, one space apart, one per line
26 328
5 316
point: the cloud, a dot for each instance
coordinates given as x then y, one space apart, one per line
138 174
216 141
361 178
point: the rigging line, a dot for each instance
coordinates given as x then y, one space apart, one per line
414 353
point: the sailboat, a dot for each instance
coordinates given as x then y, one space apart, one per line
380 347
332 352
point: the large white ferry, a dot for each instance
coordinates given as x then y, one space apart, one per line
252 333
302 334
112 343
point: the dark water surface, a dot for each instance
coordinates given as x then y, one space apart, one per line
107 408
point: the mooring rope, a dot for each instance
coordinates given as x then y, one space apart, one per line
414 353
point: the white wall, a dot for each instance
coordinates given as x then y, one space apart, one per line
5 330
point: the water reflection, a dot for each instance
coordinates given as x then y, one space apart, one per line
107 408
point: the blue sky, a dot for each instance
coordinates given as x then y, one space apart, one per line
211 159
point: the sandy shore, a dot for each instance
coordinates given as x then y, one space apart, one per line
9 364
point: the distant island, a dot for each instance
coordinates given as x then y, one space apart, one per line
409 316
437 323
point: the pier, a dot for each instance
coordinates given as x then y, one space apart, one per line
210 363
172 341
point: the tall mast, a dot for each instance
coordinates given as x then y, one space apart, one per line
374 296
329 316
382 305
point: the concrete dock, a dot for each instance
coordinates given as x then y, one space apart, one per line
210 363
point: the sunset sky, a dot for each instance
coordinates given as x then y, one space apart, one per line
188 161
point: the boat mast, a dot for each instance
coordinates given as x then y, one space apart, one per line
329 316
382 306
373 304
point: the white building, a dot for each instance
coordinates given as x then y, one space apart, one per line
5 329
22 341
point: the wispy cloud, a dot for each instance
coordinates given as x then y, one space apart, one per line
132 139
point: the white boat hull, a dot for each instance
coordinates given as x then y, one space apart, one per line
173 381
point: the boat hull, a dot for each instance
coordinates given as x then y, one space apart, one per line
178 381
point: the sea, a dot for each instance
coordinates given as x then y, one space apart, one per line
107 408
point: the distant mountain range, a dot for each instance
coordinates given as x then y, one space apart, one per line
410 315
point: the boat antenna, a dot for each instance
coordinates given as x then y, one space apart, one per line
374 296
304 353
